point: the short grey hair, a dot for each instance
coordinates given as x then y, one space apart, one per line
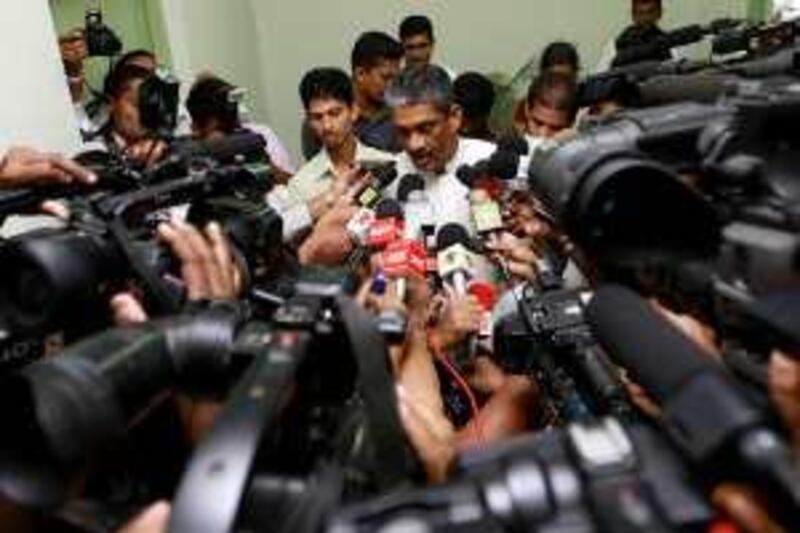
428 84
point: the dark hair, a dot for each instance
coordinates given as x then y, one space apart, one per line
428 84
128 57
210 99
416 25
475 94
660 5
373 47
555 91
559 53
326 83
120 79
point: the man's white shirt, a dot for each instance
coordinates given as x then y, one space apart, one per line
449 197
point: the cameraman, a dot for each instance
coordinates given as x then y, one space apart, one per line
215 110
124 132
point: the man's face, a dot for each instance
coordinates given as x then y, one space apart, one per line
125 114
331 121
372 82
564 69
646 13
545 122
418 49
428 134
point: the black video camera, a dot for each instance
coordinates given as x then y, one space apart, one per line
695 204
599 477
101 40
48 274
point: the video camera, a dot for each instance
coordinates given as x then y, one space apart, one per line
101 40
310 394
695 204
49 273
602 476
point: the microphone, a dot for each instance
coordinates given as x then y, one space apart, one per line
367 197
514 143
371 192
420 219
455 261
705 414
486 295
388 225
374 230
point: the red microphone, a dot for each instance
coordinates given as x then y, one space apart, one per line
486 295
388 226
401 260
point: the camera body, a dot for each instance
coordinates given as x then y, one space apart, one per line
594 477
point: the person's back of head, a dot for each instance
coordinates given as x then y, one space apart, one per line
212 106
416 34
475 94
120 77
560 57
139 57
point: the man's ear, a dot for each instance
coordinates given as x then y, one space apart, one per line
358 73
455 117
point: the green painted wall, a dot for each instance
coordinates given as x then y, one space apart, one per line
759 9
489 36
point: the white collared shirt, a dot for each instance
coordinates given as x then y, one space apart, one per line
312 180
448 196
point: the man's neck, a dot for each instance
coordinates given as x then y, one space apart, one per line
343 155
366 108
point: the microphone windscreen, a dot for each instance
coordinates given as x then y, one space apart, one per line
513 143
408 184
452 234
659 357
504 165
388 208
384 174
466 175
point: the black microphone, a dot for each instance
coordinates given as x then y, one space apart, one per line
409 184
514 143
455 261
704 412
382 176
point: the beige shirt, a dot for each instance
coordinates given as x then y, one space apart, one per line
311 181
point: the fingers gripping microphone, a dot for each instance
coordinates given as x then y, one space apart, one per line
705 413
